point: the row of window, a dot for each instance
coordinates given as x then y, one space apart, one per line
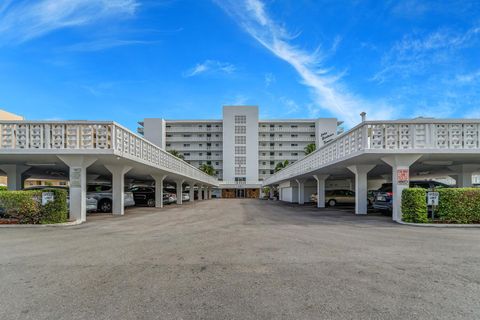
281 135
191 126
188 135
280 126
280 144
280 154
240 140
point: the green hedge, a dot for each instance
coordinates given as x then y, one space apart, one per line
459 205
26 206
414 205
3 188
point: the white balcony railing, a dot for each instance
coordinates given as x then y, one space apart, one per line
416 135
91 137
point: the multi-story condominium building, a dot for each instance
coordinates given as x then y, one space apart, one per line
242 149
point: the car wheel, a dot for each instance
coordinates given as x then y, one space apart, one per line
151 202
105 206
332 203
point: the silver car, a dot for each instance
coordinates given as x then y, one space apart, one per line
103 195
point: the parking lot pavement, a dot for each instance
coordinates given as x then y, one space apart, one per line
239 259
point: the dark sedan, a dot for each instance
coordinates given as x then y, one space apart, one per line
146 196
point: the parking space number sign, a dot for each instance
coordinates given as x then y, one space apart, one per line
432 198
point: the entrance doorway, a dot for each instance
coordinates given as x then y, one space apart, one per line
239 193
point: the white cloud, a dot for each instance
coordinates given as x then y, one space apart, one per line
269 79
25 20
103 44
415 53
328 93
210 66
469 77
292 106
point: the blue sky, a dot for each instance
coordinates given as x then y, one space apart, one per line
124 60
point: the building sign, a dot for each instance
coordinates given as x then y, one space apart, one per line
75 177
432 198
47 197
403 176
327 136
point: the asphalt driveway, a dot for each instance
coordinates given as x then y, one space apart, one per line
239 259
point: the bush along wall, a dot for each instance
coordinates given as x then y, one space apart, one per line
26 206
414 205
459 205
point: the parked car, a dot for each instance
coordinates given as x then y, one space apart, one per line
169 198
334 197
185 197
103 194
371 197
91 202
384 195
146 196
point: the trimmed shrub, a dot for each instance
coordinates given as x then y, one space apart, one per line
3 188
414 205
459 205
55 211
26 206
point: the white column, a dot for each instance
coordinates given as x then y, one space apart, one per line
118 185
301 190
279 193
271 195
463 174
192 192
209 193
361 187
400 169
320 189
15 176
78 185
200 192
179 191
159 178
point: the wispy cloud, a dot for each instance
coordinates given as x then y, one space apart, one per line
329 94
292 106
210 66
469 77
415 53
103 44
21 21
269 79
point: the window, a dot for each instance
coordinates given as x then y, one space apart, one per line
272 153
240 139
294 126
263 154
272 144
240 150
168 144
294 154
200 154
209 153
186 154
169 135
294 135
216 144
272 163
272 134
209 125
240 161
216 163
186 145
240 129
263 172
199 144
264 163
294 144
240 170
280 154
240 119
209 134
272 171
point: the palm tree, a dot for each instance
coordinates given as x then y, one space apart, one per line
208 169
281 165
310 148
177 154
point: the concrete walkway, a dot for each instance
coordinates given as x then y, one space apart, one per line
239 259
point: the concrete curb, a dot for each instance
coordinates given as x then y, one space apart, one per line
64 224
439 225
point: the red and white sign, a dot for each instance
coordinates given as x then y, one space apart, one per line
403 176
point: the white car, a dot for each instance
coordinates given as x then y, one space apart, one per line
103 195
185 197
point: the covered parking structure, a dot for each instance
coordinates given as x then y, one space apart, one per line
395 151
81 151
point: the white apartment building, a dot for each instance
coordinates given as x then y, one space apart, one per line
242 149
